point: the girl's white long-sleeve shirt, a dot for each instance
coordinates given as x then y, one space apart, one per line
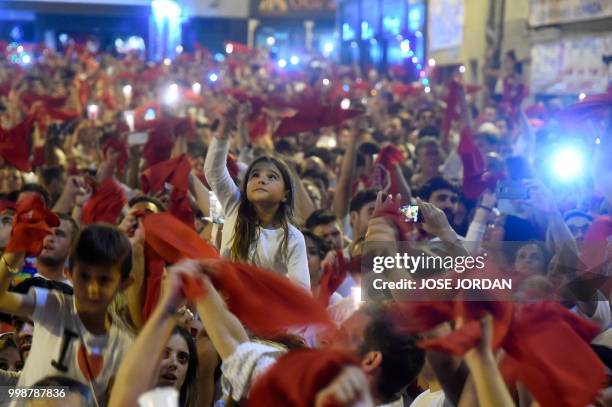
265 252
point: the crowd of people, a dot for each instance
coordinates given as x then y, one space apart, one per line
201 224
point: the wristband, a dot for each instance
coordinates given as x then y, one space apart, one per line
486 208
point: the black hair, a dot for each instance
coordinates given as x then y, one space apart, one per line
436 184
362 198
320 217
286 147
188 394
402 359
429 131
316 175
322 247
74 386
32 187
73 224
518 229
325 154
146 198
103 245
368 148
246 231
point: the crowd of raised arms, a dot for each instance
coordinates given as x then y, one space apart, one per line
164 227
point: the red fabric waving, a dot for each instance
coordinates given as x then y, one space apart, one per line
473 166
384 174
15 144
452 105
263 300
391 211
596 106
6 205
155 271
312 370
548 351
32 222
333 276
174 171
105 204
158 148
120 146
266 301
312 115
47 101
180 206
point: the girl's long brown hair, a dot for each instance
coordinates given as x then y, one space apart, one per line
246 231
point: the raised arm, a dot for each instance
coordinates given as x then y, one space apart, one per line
223 328
13 303
215 165
342 195
139 370
201 194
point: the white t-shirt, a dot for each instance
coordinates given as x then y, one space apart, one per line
58 350
265 252
430 399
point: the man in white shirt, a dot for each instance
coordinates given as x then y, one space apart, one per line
52 261
390 360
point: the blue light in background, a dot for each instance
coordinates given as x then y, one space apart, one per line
165 29
392 25
416 17
367 32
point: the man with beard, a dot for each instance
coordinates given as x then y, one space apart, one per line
444 195
51 263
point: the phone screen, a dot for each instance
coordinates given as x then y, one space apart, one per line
411 213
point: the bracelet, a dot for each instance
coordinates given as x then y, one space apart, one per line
11 269
486 208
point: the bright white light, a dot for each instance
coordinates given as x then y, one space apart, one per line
172 94
294 60
415 60
356 294
270 41
328 47
92 112
353 44
282 63
165 9
64 38
462 69
26 59
405 46
597 140
179 49
129 119
118 43
167 61
567 163
300 86
326 82
229 48
418 34
196 88
427 89
20 49
582 96
127 91
364 101
345 104
213 77
431 62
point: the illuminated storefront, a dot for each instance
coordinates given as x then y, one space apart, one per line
383 33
